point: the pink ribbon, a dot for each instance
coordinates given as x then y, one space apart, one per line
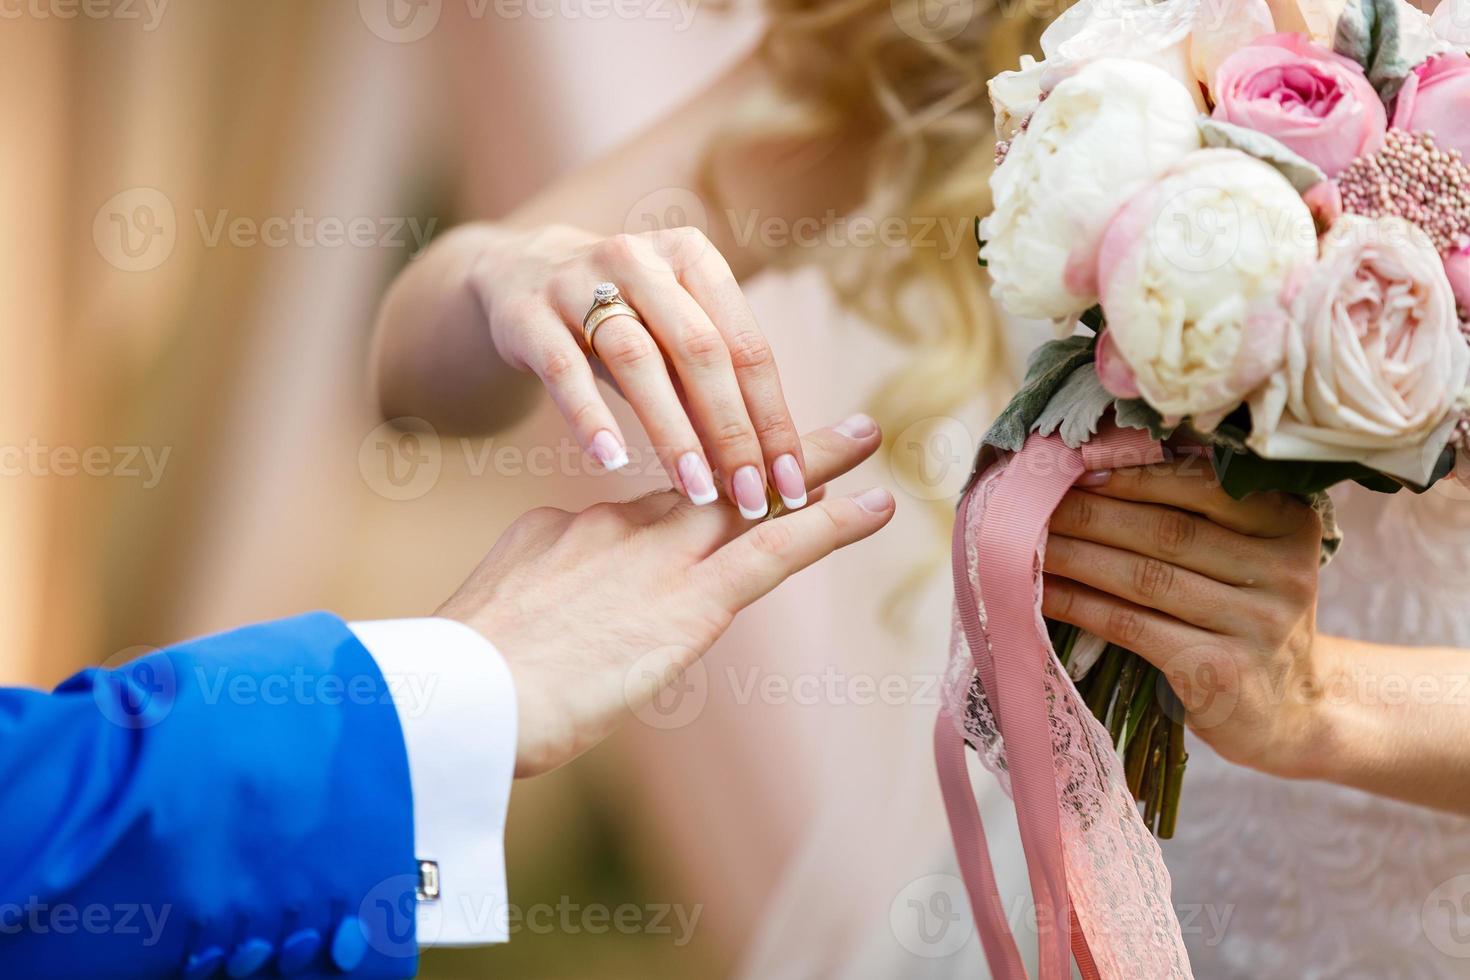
1010 653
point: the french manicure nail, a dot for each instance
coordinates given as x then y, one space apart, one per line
750 493
857 427
1095 478
608 451
790 484
698 483
874 501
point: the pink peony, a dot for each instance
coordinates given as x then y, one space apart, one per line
1116 376
1318 103
1375 361
1436 99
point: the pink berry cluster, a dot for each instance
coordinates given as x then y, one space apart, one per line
1412 178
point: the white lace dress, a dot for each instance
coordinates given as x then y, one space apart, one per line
1277 878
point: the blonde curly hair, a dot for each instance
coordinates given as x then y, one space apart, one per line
914 86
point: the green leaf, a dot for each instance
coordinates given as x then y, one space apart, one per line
1135 413
1303 173
1050 366
1242 474
1076 408
1094 319
1368 33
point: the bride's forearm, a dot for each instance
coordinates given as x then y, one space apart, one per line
433 356
1395 721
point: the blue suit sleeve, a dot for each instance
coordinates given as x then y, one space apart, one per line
236 805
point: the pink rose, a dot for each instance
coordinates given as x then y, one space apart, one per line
1375 361
1325 202
1318 103
1436 99
1457 267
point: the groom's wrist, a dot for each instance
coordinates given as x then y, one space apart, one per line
456 707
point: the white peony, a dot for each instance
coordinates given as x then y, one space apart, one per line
1192 273
1140 30
1102 135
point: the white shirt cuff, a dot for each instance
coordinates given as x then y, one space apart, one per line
457 707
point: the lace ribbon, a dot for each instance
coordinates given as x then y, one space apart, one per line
1007 691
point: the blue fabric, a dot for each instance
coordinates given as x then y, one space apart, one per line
200 806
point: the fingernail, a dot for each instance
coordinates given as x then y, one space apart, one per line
608 451
698 483
790 484
858 427
1096 478
874 501
750 493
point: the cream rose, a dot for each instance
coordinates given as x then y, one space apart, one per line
1192 272
1104 134
1374 358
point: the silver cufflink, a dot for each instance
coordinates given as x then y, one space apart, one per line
428 890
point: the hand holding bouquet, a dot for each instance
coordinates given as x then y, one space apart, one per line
1249 221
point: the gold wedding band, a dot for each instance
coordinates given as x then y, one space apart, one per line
775 506
607 302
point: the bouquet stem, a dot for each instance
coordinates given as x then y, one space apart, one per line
1144 720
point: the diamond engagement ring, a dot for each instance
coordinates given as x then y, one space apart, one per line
606 302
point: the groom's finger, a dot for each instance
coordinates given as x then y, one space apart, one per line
772 551
832 452
829 453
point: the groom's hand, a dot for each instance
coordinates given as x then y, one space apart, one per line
596 612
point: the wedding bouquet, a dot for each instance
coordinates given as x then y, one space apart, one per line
1246 226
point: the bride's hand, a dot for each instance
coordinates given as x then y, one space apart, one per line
700 377
1219 594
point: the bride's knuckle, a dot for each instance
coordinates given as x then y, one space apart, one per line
1175 533
1152 578
702 346
750 352
511 314
625 348
618 250
1083 511
1125 626
557 367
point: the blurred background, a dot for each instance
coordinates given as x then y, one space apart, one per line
202 204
